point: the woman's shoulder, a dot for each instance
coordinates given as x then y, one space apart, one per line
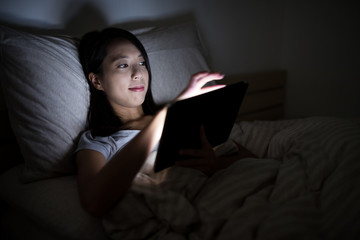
107 145
120 135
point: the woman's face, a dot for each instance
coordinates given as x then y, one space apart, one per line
125 78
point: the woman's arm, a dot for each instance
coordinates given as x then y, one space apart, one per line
102 184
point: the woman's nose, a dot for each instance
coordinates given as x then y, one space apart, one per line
136 74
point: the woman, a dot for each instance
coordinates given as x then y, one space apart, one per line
124 123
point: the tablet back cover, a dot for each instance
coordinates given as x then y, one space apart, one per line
216 111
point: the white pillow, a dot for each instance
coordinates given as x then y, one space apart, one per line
47 94
175 53
47 99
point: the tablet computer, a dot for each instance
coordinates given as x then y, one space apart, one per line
216 111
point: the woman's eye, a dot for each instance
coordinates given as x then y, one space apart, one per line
142 63
123 66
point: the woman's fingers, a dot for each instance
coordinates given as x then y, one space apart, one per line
197 83
205 150
204 141
212 88
198 76
209 77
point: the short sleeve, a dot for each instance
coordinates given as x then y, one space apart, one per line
99 144
107 145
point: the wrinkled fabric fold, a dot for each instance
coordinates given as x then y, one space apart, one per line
304 184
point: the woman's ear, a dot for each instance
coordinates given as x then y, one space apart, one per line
95 81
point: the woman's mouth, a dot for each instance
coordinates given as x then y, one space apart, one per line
137 88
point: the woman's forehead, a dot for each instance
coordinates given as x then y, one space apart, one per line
122 48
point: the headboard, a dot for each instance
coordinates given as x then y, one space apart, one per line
265 97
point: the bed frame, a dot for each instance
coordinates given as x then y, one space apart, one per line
265 96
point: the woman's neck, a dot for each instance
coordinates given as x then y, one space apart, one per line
129 114
133 118
137 124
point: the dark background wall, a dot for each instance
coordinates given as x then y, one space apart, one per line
317 42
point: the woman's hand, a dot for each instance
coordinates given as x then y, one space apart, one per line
197 82
205 159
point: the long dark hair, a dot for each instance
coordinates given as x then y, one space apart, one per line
102 120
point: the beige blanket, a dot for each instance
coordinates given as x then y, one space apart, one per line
305 185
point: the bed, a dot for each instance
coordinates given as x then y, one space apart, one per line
303 185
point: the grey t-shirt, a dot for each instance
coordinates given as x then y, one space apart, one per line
108 145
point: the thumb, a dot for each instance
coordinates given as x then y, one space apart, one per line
204 141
